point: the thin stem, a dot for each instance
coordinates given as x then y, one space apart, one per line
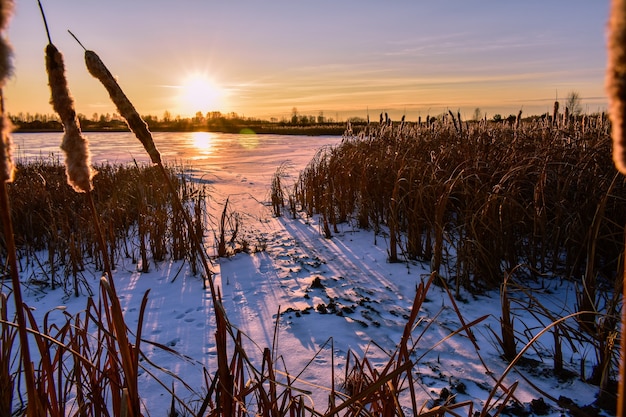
195 239
101 242
621 391
76 39
217 303
223 325
34 405
45 23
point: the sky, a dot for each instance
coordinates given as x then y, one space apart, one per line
350 58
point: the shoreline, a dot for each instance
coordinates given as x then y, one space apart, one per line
314 130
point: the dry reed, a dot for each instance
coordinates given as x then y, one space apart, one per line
124 106
616 81
36 407
50 217
616 91
494 195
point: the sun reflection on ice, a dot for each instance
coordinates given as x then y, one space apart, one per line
203 142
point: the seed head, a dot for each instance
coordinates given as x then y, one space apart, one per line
75 145
7 168
616 81
96 67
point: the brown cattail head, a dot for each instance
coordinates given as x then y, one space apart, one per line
6 10
60 97
555 113
77 159
6 64
75 145
126 109
7 168
518 119
616 81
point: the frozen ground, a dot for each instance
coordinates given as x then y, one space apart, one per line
334 296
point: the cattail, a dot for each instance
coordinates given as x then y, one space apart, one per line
6 67
97 68
75 145
616 81
555 113
7 168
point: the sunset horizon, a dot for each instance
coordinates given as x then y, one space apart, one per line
342 61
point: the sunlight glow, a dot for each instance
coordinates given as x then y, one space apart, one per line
248 139
203 142
200 93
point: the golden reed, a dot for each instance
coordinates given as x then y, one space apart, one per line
616 81
7 168
616 91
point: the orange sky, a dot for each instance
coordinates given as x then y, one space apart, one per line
262 59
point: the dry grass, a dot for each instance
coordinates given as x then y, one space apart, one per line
494 195
54 229
493 204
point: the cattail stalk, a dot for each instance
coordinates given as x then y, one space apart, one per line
75 145
616 91
555 114
616 81
126 109
7 169
96 67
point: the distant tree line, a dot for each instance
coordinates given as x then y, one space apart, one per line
298 123
211 121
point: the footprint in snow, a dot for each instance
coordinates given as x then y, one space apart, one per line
173 342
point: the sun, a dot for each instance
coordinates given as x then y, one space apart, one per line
200 93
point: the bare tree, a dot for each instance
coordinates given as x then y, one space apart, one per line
574 103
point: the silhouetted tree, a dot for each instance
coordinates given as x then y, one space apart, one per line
574 103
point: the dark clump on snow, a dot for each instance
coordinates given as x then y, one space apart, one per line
317 283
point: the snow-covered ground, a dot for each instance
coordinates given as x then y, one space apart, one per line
334 296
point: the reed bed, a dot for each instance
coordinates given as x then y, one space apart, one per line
54 230
98 353
482 197
492 205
